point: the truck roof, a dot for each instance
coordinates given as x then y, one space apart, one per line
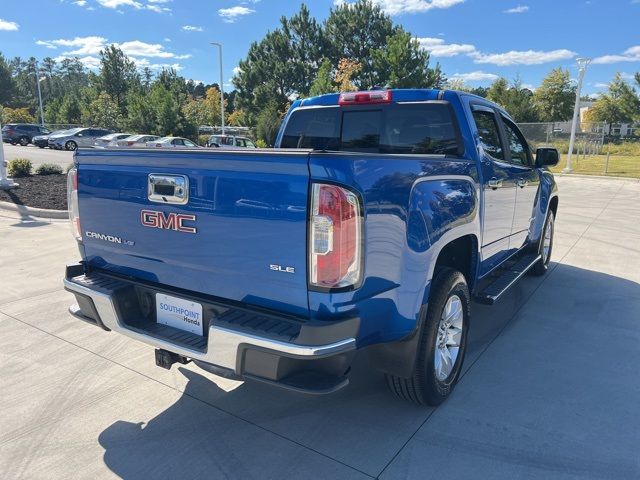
399 94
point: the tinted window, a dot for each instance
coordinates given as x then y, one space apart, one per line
189 143
488 132
178 141
517 144
421 128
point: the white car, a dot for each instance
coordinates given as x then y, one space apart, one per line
172 142
137 140
229 141
110 140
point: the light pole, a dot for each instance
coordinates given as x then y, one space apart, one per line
5 183
582 68
39 96
219 45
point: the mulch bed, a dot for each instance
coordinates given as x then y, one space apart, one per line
39 191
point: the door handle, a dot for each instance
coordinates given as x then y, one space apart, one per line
522 183
494 183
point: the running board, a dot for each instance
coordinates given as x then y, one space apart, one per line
511 275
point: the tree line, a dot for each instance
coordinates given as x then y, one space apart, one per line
357 47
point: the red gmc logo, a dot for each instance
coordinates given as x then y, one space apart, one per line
170 221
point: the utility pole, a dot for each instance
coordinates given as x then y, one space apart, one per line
5 183
219 45
39 95
582 68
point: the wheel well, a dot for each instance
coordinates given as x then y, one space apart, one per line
460 254
553 205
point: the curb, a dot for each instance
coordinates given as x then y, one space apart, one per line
34 212
599 177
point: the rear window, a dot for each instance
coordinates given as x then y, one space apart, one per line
416 128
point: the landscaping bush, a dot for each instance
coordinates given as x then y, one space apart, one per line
20 167
202 140
260 143
49 169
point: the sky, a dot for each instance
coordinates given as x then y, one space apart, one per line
473 40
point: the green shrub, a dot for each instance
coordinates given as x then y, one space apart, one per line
49 169
202 140
260 143
20 167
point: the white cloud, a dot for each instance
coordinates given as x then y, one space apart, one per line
90 62
144 62
192 28
91 46
8 26
120 3
397 7
231 14
629 55
528 57
518 9
438 48
152 5
80 45
80 3
477 76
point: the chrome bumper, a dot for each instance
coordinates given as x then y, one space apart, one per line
224 346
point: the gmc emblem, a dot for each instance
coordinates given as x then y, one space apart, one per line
170 221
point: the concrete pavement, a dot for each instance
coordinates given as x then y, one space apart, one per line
38 156
551 385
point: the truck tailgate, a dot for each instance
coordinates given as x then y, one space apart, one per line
245 235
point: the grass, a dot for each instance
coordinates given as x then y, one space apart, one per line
619 165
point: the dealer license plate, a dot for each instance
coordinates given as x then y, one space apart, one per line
179 313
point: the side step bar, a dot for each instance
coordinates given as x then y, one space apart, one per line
511 275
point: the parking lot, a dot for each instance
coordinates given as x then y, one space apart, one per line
38 156
551 385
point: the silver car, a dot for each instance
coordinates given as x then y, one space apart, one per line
172 142
137 140
229 141
110 140
77 137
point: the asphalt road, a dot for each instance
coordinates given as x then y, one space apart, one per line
551 383
38 156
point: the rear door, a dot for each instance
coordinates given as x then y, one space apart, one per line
498 189
243 227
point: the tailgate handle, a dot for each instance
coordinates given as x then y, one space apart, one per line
164 188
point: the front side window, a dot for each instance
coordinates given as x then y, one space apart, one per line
411 128
489 133
517 144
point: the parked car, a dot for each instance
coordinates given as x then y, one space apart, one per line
110 140
230 141
42 141
377 219
136 140
77 137
172 142
22 133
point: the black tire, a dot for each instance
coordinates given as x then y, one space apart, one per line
40 146
71 146
542 266
423 386
24 141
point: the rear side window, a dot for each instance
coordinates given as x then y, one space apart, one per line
517 144
488 133
417 128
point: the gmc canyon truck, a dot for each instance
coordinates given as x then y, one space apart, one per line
372 226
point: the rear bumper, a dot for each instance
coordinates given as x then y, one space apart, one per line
304 356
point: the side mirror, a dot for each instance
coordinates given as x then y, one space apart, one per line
547 157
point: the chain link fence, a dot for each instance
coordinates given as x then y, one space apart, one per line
600 148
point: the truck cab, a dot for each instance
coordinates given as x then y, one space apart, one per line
371 227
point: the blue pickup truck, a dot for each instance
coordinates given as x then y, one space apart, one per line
372 226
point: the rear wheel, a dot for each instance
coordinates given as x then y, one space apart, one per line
24 141
71 145
443 341
545 247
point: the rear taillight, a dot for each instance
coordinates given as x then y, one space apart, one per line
335 237
364 98
72 202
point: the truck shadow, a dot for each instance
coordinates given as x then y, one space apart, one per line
364 425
